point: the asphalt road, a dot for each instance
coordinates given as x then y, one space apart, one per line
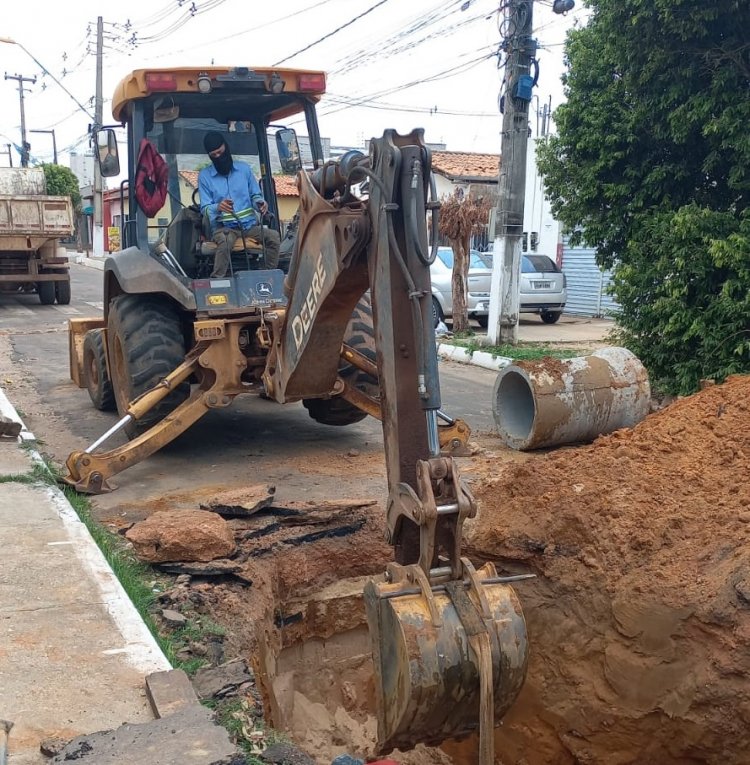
253 441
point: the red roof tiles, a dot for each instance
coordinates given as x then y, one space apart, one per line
286 185
461 164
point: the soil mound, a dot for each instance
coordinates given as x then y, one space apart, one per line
639 621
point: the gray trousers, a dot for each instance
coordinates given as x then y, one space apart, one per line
226 237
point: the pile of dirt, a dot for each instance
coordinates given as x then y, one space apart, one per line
639 620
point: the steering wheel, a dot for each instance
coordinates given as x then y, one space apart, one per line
195 199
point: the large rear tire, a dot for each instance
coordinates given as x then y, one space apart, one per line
145 344
359 335
95 373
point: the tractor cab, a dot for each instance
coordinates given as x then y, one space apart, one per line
167 113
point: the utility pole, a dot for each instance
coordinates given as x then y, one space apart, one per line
98 233
54 142
24 145
506 269
8 152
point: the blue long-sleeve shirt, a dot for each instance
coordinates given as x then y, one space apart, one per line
240 186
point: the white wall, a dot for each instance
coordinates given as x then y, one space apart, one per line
537 213
82 166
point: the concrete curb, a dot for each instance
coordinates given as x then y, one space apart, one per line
478 358
8 410
83 260
140 647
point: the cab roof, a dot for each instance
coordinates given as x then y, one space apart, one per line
142 83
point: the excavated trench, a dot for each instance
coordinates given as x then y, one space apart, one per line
639 619
312 651
318 674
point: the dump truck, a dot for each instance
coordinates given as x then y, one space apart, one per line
347 330
31 226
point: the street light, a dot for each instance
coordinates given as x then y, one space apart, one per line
11 41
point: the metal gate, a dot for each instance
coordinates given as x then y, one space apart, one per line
587 283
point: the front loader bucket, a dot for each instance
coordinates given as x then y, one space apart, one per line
427 661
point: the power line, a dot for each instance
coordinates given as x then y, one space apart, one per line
369 98
330 34
224 38
399 42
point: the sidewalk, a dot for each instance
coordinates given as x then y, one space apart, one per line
74 651
569 331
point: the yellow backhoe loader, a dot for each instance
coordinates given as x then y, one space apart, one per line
346 327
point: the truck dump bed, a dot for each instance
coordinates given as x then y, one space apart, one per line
29 217
27 222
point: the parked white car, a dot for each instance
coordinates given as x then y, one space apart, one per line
543 287
478 298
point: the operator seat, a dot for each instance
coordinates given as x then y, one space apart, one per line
205 250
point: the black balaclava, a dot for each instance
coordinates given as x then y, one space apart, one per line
212 141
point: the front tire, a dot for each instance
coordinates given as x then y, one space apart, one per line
145 344
95 372
437 312
360 335
550 317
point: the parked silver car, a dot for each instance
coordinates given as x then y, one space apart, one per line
478 298
543 287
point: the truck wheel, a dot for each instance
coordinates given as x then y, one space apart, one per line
145 344
95 373
62 292
46 291
361 336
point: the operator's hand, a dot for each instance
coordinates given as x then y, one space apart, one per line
226 206
262 207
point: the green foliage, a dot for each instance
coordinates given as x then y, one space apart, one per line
62 181
685 296
652 162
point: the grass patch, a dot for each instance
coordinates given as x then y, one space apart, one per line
520 352
136 578
37 474
246 730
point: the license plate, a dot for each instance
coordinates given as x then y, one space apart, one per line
542 285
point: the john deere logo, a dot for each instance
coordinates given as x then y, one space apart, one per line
264 289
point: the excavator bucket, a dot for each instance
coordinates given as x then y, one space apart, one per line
449 659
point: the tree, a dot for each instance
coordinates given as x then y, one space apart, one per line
62 181
651 165
460 216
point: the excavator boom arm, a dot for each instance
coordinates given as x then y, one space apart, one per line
449 642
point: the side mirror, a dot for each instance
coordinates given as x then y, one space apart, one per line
106 152
288 148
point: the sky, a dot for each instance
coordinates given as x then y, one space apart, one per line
390 63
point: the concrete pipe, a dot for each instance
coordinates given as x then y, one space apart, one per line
552 402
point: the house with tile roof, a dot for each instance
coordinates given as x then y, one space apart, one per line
473 173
